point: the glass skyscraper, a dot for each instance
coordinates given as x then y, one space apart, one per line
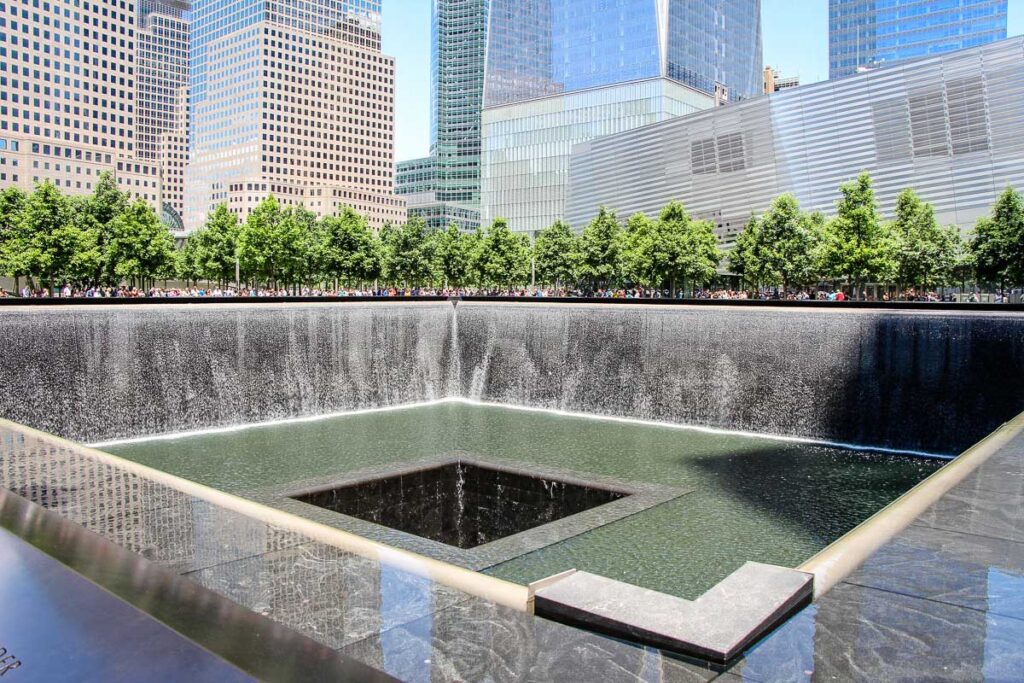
563 72
864 34
445 186
546 47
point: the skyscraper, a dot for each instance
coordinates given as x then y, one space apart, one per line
294 100
865 34
561 72
67 96
161 98
445 186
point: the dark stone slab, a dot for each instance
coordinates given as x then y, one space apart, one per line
716 626
983 513
863 634
972 571
480 641
57 626
78 607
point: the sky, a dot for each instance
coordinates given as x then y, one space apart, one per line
795 34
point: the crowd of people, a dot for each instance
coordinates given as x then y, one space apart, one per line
214 291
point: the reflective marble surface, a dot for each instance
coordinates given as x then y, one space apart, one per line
942 601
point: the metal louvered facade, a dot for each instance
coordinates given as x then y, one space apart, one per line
950 127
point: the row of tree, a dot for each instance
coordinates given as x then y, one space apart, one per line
106 239
103 238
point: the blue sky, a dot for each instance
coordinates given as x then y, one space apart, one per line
795 41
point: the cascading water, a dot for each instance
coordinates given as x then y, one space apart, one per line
928 381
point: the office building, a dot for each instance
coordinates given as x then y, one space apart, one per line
865 35
67 97
951 127
561 72
294 100
161 66
445 187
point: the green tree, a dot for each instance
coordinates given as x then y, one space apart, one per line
998 244
103 206
556 255
299 243
141 248
351 251
681 250
779 247
474 243
601 250
12 205
216 246
259 244
49 237
923 251
857 245
505 256
451 260
406 254
186 258
636 250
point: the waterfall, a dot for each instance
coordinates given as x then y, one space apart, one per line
934 382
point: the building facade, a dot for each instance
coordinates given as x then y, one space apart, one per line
67 97
161 99
458 48
950 127
561 72
775 81
294 100
866 34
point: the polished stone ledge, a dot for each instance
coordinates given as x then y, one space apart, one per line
716 626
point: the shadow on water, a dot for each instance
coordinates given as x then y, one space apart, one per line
820 492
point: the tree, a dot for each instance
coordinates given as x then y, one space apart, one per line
103 206
682 250
505 256
141 248
260 247
350 249
406 258
998 244
779 247
923 250
12 205
186 258
451 260
600 250
556 255
299 246
216 246
49 237
857 246
636 250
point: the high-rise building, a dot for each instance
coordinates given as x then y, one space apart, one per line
865 34
294 100
161 101
951 127
67 96
561 72
445 186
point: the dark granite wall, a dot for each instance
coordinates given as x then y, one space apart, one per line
936 382
933 381
98 373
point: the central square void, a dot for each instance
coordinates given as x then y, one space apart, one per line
463 504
